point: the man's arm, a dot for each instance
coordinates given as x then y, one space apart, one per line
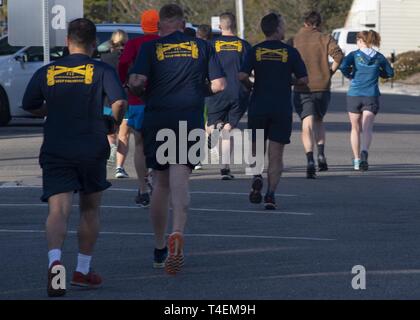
137 84
335 52
245 79
118 111
33 99
301 81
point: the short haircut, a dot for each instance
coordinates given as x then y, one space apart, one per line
190 32
228 21
82 32
205 32
171 12
270 23
313 18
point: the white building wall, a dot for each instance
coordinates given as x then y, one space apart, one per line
398 22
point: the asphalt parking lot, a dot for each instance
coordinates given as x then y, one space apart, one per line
235 250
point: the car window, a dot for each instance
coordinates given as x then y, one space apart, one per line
36 54
336 36
6 49
352 38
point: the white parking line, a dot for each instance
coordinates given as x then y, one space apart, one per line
17 205
231 236
135 190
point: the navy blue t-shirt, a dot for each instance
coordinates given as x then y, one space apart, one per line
178 68
274 64
231 51
74 89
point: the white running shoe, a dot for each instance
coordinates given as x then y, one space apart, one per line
120 173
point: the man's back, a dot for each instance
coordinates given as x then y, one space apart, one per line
274 63
231 51
315 48
177 67
74 89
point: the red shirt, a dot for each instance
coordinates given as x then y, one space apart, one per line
128 58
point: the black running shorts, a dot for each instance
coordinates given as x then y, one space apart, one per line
360 104
277 127
62 177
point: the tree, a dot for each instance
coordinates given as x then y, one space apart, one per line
334 11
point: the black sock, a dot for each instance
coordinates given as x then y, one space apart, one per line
310 156
321 150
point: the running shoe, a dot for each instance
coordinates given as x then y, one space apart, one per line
54 293
175 260
322 164
226 175
160 256
356 164
270 201
311 171
198 167
89 281
120 173
364 164
257 185
143 199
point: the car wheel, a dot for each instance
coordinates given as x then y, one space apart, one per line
4 109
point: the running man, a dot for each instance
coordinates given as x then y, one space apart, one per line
172 73
150 26
274 64
75 149
312 100
226 109
364 67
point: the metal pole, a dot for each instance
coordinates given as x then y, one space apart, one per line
46 30
240 18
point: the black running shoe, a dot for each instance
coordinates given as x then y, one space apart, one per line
270 201
364 164
226 175
143 200
311 171
160 256
322 164
257 185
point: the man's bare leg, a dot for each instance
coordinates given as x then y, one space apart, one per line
159 208
179 180
275 170
89 226
308 127
140 163
60 206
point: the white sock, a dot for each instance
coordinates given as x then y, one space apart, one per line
53 256
83 263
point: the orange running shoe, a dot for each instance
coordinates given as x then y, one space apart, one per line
175 260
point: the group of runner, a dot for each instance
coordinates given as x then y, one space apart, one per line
177 75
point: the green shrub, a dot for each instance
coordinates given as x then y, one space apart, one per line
407 64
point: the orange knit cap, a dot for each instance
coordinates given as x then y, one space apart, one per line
149 21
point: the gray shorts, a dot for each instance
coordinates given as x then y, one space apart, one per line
312 104
360 104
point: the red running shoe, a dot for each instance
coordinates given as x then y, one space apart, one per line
89 281
175 260
54 293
